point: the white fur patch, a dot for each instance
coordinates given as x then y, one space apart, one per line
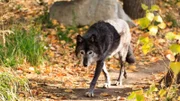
122 28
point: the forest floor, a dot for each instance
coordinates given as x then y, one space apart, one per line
142 78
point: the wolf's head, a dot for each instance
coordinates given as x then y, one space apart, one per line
87 49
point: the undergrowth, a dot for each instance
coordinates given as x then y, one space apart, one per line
22 45
10 86
153 23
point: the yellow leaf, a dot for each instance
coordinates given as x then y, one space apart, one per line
175 48
178 4
147 47
162 92
143 22
86 27
68 91
104 94
175 66
170 35
158 19
153 30
150 16
162 25
177 37
178 98
80 29
51 54
133 68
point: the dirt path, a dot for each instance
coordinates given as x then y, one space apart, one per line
135 79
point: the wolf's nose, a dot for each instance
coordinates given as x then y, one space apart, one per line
85 65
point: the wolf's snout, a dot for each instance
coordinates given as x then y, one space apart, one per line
85 65
85 62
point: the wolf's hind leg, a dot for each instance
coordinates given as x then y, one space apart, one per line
121 73
107 83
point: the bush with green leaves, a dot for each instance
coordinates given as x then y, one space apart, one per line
175 49
151 23
22 45
155 94
10 86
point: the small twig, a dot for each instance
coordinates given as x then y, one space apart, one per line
4 33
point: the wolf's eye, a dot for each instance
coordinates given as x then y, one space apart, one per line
82 52
90 52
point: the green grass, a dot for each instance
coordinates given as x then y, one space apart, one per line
22 45
10 86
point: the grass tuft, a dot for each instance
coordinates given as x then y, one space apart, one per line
10 86
22 45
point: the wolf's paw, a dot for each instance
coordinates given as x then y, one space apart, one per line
118 83
89 94
107 85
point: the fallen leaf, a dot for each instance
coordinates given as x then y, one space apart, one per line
72 96
169 24
178 98
31 69
170 57
162 25
132 68
68 91
104 94
55 22
61 74
120 98
168 52
154 59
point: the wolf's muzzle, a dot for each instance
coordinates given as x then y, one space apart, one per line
85 62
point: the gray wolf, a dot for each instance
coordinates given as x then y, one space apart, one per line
105 39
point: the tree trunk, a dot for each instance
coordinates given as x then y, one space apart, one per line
133 7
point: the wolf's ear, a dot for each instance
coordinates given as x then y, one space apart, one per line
93 38
79 38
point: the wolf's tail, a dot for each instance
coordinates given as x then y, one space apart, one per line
130 56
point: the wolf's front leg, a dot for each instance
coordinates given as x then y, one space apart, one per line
107 83
99 67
